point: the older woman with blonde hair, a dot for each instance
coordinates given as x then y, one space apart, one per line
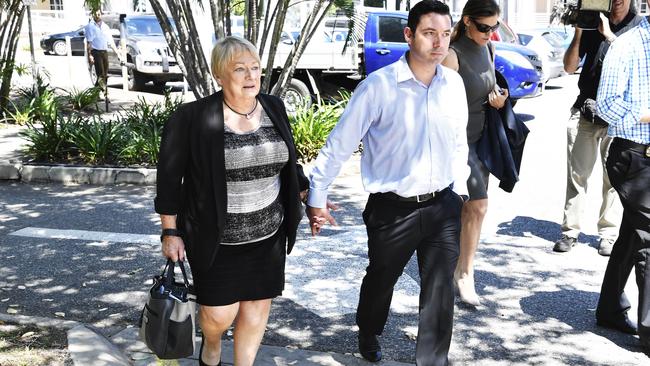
229 194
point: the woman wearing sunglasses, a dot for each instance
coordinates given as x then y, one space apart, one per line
470 54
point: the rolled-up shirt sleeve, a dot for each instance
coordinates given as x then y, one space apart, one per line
341 143
615 101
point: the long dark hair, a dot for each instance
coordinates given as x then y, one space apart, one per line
475 9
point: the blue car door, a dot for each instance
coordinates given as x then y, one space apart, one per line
384 41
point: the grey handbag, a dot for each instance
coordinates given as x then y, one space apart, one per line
167 320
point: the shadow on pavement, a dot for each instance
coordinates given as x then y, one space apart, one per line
524 226
525 117
577 311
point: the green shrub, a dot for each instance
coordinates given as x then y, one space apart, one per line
97 141
38 109
144 123
79 100
312 125
18 114
131 138
50 142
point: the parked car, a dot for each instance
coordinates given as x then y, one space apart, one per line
548 46
518 71
515 72
148 57
55 43
518 68
505 34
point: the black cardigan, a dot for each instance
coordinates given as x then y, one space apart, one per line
191 175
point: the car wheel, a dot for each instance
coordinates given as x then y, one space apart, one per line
159 85
296 95
93 74
136 80
60 48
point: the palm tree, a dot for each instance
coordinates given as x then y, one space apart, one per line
12 13
262 20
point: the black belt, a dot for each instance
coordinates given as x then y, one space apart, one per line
631 145
419 198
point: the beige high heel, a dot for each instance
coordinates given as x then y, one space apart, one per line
466 291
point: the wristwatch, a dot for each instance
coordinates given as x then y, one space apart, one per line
169 232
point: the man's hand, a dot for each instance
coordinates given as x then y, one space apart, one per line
173 248
91 59
318 217
603 28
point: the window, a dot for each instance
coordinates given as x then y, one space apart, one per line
391 29
56 4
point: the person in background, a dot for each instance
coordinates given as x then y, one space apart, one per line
587 132
471 55
624 102
98 39
411 116
229 193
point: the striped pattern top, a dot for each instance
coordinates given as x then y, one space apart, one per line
253 164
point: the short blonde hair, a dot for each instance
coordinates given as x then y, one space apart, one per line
225 51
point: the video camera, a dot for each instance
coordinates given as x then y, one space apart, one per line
585 14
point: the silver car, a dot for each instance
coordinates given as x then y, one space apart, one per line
148 56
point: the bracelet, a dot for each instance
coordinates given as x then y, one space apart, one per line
169 232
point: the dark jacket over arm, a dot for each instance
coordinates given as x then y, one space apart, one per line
191 175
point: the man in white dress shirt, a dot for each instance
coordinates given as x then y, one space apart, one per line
411 117
98 39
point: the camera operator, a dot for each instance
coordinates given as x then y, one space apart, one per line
586 132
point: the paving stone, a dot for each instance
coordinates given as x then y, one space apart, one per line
131 176
87 347
103 176
34 173
9 170
67 175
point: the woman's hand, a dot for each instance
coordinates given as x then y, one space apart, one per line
173 248
498 99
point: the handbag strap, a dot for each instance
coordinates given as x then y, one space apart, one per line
168 271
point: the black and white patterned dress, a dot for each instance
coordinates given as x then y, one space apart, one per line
250 263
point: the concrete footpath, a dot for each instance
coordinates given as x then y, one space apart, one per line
88 346
537 306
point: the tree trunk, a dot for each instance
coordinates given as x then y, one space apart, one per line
9 32
308 31
216 11
226 18
185 45
267 26
281 11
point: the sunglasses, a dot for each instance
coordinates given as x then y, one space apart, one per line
484 28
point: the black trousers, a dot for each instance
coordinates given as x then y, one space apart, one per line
629 171
101 67
395 231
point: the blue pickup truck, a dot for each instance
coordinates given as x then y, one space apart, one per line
384 43
328 64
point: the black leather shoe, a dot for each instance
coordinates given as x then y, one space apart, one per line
624 325
201 363
565 244
369 347
645 344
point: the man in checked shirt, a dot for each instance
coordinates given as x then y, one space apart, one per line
624 102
